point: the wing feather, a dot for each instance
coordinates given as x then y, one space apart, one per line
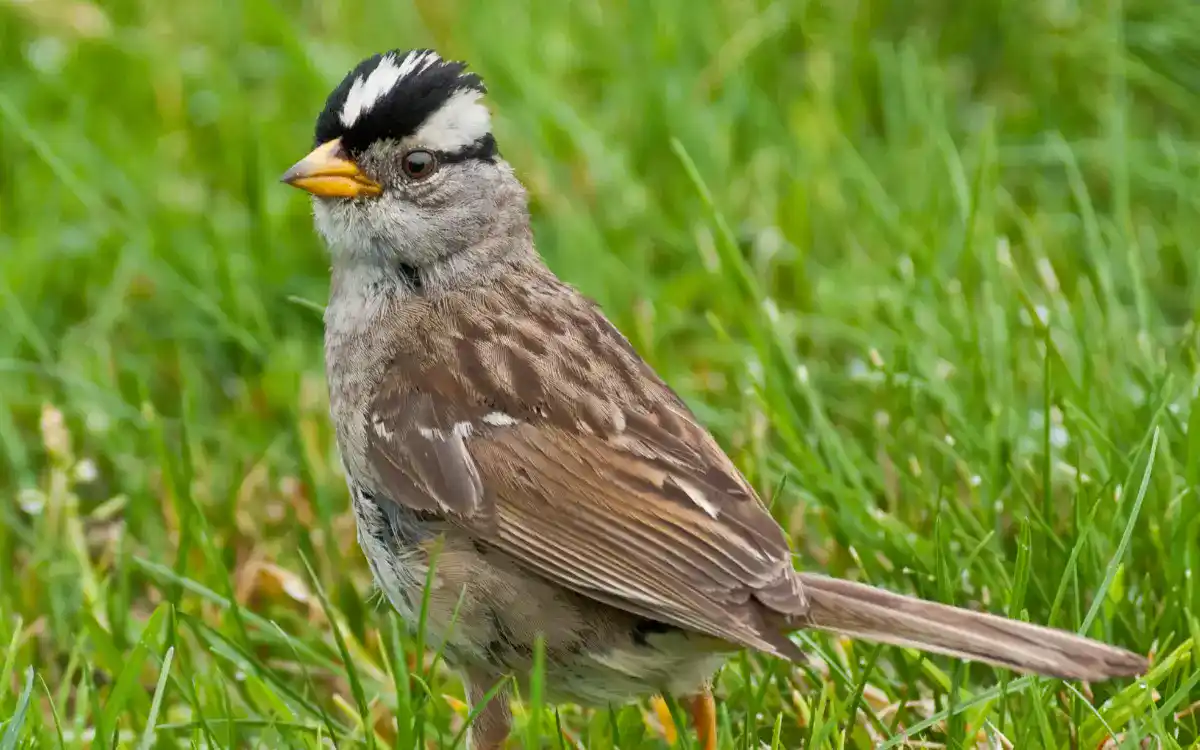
571 455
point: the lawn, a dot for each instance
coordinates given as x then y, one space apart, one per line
923 267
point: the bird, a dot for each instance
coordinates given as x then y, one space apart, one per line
494 426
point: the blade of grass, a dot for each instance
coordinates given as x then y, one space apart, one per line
12 732
1114 564
356 689
148 734
537 677
129 679
476 710
10 658
53 713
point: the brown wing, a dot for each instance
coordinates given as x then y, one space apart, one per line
528 420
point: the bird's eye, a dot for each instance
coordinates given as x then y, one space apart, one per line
419 164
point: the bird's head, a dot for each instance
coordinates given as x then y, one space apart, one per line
405 169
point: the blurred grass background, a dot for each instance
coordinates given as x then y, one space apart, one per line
924 267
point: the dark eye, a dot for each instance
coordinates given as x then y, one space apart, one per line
419 164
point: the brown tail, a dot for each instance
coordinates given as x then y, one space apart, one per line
873 614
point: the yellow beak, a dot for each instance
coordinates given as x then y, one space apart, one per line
328 173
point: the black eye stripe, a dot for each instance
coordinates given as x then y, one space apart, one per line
484 148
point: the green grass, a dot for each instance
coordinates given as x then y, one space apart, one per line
924 268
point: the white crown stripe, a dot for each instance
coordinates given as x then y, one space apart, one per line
366 92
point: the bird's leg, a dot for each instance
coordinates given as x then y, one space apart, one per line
703 710
493 722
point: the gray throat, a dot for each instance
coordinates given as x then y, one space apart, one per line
365 289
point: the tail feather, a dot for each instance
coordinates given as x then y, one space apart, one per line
873 614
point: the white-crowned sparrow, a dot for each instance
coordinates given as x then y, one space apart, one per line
486 408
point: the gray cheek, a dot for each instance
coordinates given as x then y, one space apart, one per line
406 232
